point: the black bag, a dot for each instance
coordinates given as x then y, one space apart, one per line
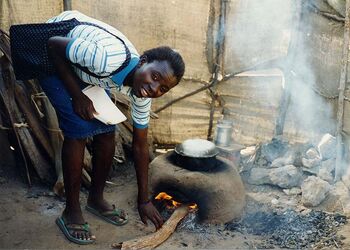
29 52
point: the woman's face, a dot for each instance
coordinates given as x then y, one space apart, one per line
153 79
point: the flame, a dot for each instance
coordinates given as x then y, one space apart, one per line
193 206
165 196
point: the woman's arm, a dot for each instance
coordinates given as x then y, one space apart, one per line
141 159
82 105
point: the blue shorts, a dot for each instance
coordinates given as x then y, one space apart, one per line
70 123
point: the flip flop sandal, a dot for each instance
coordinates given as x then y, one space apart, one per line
65 228
109 214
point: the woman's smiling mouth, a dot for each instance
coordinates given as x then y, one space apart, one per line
143 92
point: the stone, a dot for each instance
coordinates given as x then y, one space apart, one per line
274 202
328 165
325 170
248 151
262 162
259 176
285 177
305 212
325 175
312 153
313 170
292 191
346 178
314 191
274 149
340 190
288 159
327 147
310 163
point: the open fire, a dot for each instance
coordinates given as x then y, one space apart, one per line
171 203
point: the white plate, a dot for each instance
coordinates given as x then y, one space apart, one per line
108 113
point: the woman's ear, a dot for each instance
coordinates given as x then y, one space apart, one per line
143 60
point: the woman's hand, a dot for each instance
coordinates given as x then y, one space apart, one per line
148 211
83 107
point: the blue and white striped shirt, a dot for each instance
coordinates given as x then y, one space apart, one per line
102 53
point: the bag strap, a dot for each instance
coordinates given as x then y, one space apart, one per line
125 63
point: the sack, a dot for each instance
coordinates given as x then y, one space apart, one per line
29 52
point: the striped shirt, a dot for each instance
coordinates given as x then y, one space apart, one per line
102 53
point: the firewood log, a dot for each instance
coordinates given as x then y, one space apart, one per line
33 121
26 140
8 102
5 45
39 162
155 239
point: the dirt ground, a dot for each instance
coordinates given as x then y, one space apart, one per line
27 218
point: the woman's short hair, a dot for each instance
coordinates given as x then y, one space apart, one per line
165 53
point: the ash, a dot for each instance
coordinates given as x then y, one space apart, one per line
205 232
189 223
291 229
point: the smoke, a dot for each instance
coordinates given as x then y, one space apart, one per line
308 113
265 33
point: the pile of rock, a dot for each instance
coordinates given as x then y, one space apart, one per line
304 168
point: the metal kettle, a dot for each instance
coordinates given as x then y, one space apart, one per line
223 133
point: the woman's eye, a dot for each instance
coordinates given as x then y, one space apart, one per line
155 77
163 89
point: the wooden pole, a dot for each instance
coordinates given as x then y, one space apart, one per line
287 71
220 46
67 5
342 83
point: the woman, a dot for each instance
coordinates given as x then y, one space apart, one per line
101 55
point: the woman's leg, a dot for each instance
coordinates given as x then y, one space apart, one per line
72 162
102 157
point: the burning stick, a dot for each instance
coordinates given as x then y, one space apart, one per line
155 239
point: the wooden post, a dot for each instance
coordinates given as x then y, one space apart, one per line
67 5
342 83
220 44
288 76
